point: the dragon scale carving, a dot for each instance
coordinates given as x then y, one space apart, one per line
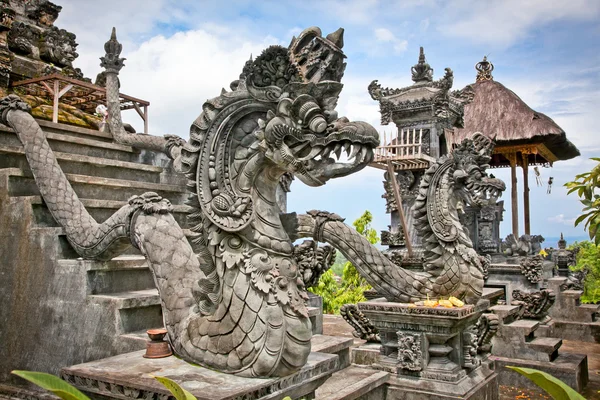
233 293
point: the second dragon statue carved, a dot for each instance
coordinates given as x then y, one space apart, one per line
232 291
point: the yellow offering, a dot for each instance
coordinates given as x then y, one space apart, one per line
456 302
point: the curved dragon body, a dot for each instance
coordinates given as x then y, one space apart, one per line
233 292
451 266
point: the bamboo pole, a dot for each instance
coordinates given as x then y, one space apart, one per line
398 198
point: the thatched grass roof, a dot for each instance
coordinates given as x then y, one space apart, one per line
498 112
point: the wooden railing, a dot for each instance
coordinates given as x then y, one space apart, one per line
403 145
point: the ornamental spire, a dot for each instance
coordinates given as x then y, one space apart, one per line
484 70
111 61
421 71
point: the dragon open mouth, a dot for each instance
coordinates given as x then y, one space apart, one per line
485 191
346 147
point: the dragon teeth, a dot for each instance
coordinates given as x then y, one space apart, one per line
363 153
355 149
326 151
338 150
347 147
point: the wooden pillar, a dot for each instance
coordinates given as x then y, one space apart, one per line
146 119
512 159
56 99
398 197
525 166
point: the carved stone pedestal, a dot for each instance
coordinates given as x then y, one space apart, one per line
432 352
131 376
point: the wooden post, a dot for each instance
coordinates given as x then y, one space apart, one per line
525 167
146 120
56 99
512 159
398 198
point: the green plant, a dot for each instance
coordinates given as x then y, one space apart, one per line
588 257
177 391
553 386
53 384
352 286
586 185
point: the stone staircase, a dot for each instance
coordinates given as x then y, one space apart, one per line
570 318
518 342
60 309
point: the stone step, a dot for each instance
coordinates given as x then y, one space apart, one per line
333 345
48 127
136 310
84 145
100 210
121 274
493 294
64 249
352 383
14 157
129 299
121 263
526 327
506 313
21 183
546 345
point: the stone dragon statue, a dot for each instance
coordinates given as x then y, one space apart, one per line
232 291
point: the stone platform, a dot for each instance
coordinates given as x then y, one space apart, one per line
430 353
131 376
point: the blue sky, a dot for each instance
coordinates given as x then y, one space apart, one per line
179 53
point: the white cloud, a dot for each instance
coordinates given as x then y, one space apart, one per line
504 22
424 24
560 219
385 35
178 73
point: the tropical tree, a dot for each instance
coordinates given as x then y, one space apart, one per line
586 185
352 286
588 258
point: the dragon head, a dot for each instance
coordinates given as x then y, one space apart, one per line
303 134
306 138
472 158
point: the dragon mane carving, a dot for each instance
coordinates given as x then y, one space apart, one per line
233 291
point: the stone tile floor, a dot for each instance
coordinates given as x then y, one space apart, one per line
336 326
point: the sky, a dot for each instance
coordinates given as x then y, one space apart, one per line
182 52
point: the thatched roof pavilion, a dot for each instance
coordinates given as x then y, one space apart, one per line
523 136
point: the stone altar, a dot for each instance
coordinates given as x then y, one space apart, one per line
431 352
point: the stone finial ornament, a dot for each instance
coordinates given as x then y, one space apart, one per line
111 60
421 71
484 70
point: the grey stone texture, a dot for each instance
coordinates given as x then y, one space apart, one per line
131 376
429 352
571 319
58 309
521 342
233 295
